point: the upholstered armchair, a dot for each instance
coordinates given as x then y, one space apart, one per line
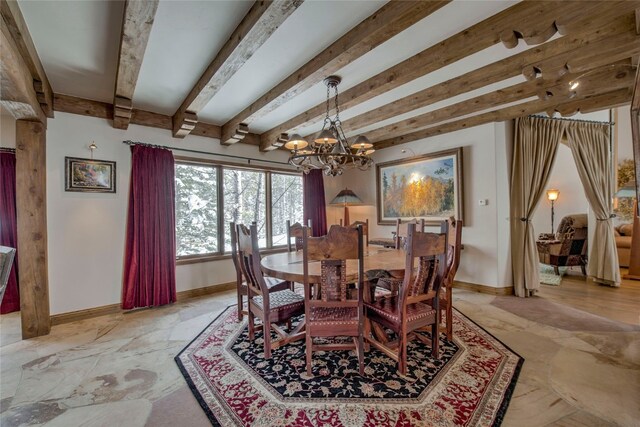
569 245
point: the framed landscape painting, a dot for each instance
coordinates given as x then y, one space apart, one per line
87 175
425 187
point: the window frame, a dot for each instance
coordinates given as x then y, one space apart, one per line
220 166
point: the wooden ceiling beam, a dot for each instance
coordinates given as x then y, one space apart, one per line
104 110
558 89
585 103
389 20
564 49
17 28
519 18
256 27
17 94
137 21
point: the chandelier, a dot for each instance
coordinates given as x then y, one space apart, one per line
330 150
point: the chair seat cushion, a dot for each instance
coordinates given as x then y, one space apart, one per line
376 274
388 308
333 315
273 282
282 300
390 283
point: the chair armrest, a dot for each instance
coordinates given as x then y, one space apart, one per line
552 247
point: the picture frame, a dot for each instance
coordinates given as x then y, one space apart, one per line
89 175
428 187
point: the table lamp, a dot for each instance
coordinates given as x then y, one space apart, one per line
552 195
346 198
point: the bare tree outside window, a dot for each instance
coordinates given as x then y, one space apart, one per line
244 195
243 199
286 204
196 210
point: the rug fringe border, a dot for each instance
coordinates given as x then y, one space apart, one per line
508 393
194 390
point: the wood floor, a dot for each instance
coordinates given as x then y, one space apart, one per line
621 304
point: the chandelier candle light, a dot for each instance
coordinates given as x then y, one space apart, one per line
330 150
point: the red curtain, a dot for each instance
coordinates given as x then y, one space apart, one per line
9 228
314 206
150 254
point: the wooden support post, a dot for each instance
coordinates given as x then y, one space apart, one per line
31 203
634 259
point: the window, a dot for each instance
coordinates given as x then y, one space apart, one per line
286 204
244 198
196 210
210 196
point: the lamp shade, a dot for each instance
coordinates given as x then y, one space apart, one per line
361 142
325 137
346 198
628 190
552 195
296 142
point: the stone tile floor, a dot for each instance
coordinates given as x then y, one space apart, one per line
118 370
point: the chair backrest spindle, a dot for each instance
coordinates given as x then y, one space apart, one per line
431 251
333 251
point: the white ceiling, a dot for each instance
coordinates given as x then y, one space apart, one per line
435 28
184 39
77 42
307 32
78 45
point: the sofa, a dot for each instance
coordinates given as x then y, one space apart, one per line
623 235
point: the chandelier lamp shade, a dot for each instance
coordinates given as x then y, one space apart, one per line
346 198
330 150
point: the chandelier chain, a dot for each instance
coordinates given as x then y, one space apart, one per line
337 104
330 150
328 103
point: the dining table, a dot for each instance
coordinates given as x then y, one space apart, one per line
289 265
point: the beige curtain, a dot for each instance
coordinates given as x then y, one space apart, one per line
535 146
589 143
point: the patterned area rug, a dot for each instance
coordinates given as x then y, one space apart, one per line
549 277
470 385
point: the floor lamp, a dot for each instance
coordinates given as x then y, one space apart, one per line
629 191
346 198
552 195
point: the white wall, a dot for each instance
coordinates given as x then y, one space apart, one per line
86 231
7 130
486 232
564 177
623 132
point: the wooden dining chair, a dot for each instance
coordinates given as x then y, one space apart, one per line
273 308
273 284
337 312
402 230
453 261
417 304
393 278
295 232
365 229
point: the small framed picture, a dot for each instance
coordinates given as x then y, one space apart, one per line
89 176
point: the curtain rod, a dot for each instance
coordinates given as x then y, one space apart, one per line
7 150
571 120
248 159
